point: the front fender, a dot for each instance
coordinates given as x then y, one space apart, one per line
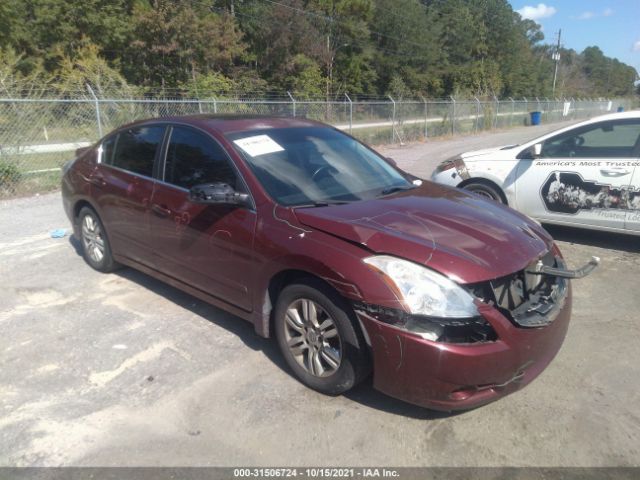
336 261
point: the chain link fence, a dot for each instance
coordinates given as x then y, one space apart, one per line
37 136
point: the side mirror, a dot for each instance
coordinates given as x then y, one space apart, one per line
218 194
537 150
392 161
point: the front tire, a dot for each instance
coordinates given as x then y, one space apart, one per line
319 337
96 249
485 191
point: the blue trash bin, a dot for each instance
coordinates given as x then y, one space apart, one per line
621 109
535 118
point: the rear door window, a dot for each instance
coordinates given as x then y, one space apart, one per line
194 158
135 149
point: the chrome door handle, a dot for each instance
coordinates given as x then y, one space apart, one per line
614 172
160 210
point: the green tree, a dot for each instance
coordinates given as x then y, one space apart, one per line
15 82
173 43
344 27
306 79
48 30
407 45
85 67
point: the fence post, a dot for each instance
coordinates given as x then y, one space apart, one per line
393 118
477 113
350 113
495 123
215 105
513 110
97 104
453 115
426 118
293 101
546 110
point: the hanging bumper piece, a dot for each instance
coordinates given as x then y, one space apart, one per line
581 272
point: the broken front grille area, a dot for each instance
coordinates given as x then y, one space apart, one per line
526 298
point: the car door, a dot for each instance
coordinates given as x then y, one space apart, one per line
632 221
581 176
122 185
209 247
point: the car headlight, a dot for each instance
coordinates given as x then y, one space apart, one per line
457 163
423 291
436 308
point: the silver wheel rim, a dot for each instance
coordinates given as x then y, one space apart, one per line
313 338
92 238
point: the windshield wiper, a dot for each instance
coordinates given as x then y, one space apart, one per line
397 188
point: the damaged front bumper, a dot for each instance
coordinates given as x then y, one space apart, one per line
529 312
447 376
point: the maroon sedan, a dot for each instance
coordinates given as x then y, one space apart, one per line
355 266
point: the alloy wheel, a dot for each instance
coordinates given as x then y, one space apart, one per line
313 338
92 238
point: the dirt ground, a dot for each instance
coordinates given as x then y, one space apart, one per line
120 369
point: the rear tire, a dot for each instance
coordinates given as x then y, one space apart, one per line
96 249
485 191
319 337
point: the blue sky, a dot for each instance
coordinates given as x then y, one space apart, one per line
613 25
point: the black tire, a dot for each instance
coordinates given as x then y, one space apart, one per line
354 363
485 191
105 263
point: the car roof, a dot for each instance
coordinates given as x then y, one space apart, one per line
231 123
614 116
630 115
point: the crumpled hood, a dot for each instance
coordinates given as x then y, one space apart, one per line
463 236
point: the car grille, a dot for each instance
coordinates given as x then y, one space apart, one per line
526 298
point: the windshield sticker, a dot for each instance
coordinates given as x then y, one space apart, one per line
258 145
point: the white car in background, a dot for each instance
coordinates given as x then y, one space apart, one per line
586 175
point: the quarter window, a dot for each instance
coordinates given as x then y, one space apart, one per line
604 140
193 158
135 149
107 150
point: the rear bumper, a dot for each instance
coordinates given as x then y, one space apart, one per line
457 377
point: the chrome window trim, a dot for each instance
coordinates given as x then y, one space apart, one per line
139 175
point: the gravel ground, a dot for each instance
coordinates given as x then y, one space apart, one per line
120 369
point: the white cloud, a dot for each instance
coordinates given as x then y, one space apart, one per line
636 46
536 13
586 15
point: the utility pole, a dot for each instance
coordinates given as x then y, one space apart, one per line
556 57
